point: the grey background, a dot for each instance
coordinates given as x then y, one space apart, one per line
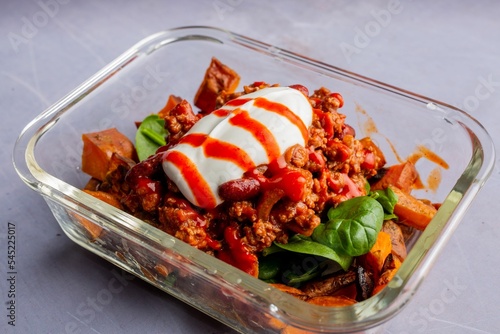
446 50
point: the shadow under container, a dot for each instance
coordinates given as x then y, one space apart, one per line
47 157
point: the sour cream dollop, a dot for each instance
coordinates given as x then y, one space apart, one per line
251 130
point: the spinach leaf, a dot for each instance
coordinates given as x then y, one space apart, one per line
293 268
353 226
367 187
272 249
269 267
293 279
388 199
304 245
150 136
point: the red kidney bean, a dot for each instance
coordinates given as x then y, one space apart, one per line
239 189
339 98
348 130
301 89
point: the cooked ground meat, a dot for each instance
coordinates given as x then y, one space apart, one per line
332 165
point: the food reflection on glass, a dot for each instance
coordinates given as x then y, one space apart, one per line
265 179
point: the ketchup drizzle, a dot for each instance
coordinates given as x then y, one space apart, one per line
221 112
283 110
238 102
196 182
258 130
214 148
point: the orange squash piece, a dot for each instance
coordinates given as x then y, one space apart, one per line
380 250
402 176
93 229
391 266
98 147
218 78
290 290
332 301
171 103
397 239
105 197
411 211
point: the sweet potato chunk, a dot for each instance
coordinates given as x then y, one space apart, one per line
218 78
93 229
397 239
92 184
391 266
171 103
375 258
290 290
402 176
411 211
105 197
98 147
329 285
332 301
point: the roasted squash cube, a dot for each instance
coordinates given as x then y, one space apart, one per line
98 147
218 78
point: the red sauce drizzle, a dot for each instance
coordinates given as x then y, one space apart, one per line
260 132
290 181
194 139
221 112
283 110
196 182
214 148
237 102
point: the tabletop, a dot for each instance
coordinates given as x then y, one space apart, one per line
446 50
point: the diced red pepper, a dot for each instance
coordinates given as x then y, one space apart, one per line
344 186
369 162
335 184
237 253
317 158
350 189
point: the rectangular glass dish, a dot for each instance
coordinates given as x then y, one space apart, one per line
48 152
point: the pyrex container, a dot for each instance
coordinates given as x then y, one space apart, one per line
47 157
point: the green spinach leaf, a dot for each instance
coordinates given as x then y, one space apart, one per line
269 267
293 279
304 245
388 199
150 136
352 227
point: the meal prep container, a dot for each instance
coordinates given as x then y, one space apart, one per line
47 157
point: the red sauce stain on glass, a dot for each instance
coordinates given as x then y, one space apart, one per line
434 178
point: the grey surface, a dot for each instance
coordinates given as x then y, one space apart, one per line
446 50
